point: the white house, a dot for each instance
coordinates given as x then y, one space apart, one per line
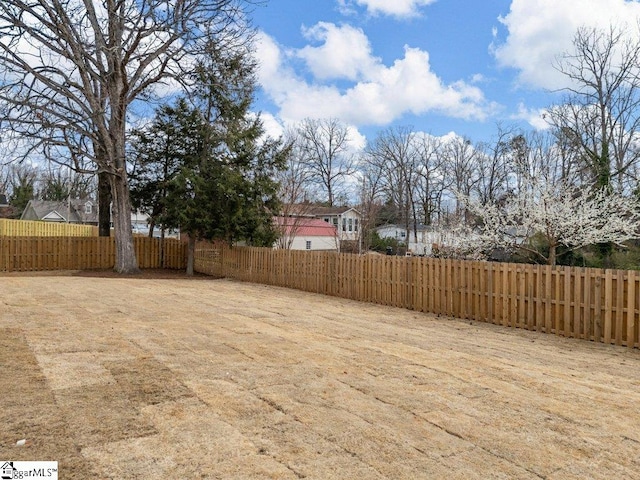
303 233
140 224
397 232
346 220
407 237
426 236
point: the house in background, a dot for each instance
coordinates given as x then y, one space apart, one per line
426 235
141 225
139 222
82 211
347 222
394 231
407 237
304 233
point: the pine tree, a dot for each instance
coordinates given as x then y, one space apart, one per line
225 187
159 151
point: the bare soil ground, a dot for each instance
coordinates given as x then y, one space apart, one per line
148 377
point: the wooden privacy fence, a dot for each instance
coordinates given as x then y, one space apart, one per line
21 254
588 303
30 228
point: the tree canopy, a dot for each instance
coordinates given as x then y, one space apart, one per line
222 170
70 71
565 216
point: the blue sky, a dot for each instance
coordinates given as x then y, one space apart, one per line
439 66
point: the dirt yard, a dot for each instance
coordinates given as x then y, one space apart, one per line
176 378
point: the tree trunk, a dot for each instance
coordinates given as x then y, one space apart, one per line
162 236
191 256
552 254
605 251
104 205
126 261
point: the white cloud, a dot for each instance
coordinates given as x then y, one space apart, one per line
534 117
376 94
395 8
345 52
357 141
541 30
478 78
272 126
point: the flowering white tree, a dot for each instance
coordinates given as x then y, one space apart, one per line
565 215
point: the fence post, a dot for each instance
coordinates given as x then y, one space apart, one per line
631 308
608 304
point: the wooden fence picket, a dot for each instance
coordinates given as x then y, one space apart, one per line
83 253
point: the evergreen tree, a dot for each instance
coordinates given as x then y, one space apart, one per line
159 152
224 187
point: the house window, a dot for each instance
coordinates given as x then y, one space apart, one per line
344 224
403 234
326 219
87 207
335 222
355 225
308 246
351 224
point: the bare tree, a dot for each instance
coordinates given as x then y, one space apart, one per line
460 160
431 182
601 114
395 153
494 165
60 184
325 146
4 179
545 156
370 193
70 71
294 191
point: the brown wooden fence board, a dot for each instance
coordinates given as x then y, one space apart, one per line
608 304
631 309
619 317
29 228
20 254
568 300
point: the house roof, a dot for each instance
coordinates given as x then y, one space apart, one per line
319 210
305 227
421 227
72 211
310 210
